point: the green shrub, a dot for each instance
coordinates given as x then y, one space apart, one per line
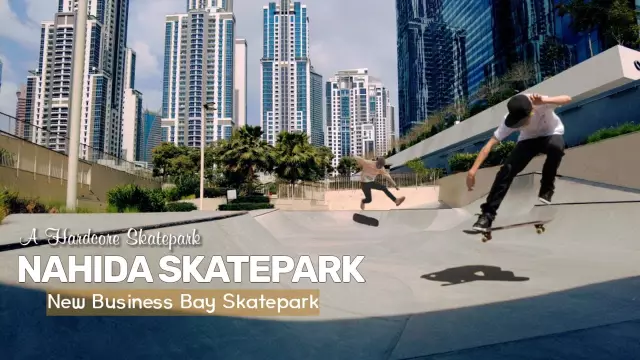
154 201
187 185
611 132
244 206
171 194
460 162
13 204
180 207
251 199
213 193
131 197
126 196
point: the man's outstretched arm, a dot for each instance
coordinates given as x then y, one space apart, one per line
388 176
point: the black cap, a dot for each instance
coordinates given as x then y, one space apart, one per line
519 108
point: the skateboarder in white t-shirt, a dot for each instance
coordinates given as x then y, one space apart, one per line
370 170
541 131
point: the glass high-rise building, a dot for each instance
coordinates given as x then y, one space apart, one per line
103 91
286 80
199 69
447 49
317 125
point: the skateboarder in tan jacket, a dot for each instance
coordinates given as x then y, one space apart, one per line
541 131
371 169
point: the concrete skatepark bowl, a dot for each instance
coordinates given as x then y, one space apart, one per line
431 291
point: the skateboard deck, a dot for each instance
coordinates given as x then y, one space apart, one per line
486 235
365 220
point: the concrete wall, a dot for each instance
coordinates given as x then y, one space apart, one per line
35 171
350 199
613 161
604 72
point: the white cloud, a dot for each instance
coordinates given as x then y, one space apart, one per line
13 28
147 64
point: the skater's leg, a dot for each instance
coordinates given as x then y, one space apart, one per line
366 189
378 186
514 164
554 148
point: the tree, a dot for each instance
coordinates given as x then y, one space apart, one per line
243 155
521 75
324 157
347 165
585 16
171 160
554 57
622 26
295 157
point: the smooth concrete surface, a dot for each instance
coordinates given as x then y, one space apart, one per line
430 289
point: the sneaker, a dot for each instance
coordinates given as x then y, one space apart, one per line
362 205
545 197
483 224
399 200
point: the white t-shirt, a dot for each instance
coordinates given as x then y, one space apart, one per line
544 122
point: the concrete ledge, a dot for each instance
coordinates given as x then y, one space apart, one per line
612 162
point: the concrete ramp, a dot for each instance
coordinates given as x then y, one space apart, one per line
431 291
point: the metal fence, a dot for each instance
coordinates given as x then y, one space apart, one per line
317 190
15 134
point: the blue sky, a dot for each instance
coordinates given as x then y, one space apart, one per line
343 35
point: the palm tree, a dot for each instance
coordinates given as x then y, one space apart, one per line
324 156
245 153
295 157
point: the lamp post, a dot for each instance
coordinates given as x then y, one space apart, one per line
75 113
203 139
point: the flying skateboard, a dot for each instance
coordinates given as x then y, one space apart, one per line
486 235
365 220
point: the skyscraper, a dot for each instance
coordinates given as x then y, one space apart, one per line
359 115
150 136
131 110
317 125
21 109
240 79
199 69
285 70
103 81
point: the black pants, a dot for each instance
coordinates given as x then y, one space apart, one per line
553 146
368 186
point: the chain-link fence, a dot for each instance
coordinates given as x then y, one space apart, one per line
49 155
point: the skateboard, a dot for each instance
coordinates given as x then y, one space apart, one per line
365 220
486 235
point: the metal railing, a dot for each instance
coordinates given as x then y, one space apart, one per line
317 190
48 153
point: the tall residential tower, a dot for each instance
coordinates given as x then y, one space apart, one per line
103 90
285 71
359 115
131 110
199 69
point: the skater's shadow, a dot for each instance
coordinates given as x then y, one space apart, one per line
470 273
